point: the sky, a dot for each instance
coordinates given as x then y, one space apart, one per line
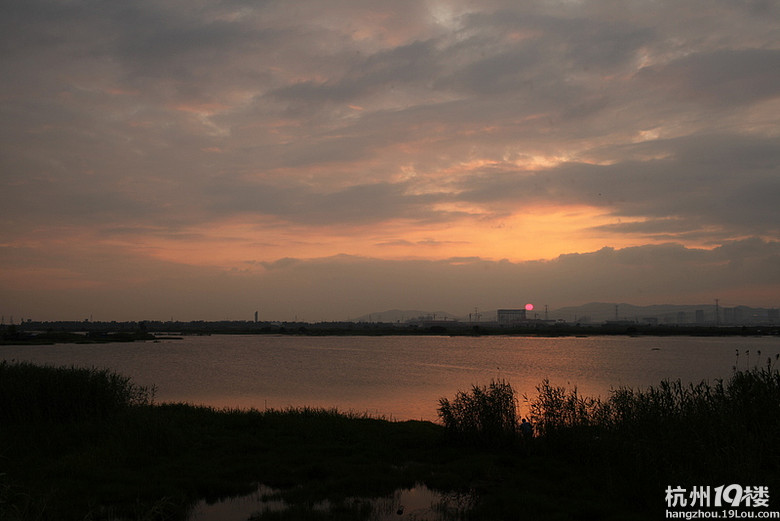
319 160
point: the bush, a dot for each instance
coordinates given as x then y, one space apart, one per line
487 415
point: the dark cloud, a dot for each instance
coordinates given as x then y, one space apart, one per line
358 205
408 64
667 228
334 288
723 77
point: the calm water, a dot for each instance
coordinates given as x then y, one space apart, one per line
396 376
418 503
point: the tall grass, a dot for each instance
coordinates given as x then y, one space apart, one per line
724 430
485 415
748 401
557 410
32 393
627 447
586 453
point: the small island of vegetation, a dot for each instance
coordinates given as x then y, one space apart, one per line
89 444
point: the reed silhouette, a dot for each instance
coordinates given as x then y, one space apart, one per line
486 415
33 393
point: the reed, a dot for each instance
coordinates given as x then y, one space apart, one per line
86 443
724 430
487 415
557 411
33 393
81 444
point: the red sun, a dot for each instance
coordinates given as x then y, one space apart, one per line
529 307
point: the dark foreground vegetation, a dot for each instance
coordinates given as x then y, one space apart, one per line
87 444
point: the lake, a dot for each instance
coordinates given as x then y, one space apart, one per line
398 377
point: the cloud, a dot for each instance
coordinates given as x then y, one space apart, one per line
716 183
359 204
215 132
718 78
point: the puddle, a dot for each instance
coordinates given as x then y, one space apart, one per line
237 508
419 503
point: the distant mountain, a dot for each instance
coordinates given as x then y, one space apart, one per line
598 312
402 315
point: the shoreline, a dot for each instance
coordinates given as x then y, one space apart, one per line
36 333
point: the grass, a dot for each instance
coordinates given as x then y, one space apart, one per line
99 447
487 415
39 394
673 433
87 444
634 443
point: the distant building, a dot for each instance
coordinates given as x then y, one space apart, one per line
620 323
508 317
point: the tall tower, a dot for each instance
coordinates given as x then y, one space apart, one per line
255 317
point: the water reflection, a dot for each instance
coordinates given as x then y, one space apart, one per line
419 503
396 377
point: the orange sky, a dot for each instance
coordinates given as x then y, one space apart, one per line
539 233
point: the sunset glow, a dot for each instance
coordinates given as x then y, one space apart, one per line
341 158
